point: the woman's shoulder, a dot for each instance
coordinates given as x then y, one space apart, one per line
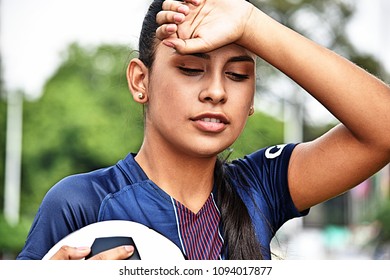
84 189
263 161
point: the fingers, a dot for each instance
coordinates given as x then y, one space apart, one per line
187 46
173 5
71 253
78 253
172 14
173 11
165 17
118 253
168 19
176 26
166 31
168 23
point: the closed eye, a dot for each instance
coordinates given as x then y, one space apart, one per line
190 71
237 77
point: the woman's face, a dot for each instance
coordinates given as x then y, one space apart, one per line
198 104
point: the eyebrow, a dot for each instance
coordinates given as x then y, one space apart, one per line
201 55
240 58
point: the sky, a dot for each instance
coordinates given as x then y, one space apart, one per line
370 29
33 33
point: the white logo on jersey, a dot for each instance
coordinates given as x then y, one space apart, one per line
270 154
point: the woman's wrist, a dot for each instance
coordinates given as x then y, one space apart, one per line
257 31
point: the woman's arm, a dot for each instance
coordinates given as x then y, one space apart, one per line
353 151
343 157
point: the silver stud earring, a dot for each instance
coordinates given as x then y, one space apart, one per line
141 95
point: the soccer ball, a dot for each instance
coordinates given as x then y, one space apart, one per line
149 244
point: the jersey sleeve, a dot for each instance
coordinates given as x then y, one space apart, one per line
262 183
68 206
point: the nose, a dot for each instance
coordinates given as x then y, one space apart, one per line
214 92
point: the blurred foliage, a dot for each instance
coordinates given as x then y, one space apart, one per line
383 217
86 118
261 130
323 21
13 237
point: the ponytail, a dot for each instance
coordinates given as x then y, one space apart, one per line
240 241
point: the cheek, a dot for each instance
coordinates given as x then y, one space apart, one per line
242 96
168 97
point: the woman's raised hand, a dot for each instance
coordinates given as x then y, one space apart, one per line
202 25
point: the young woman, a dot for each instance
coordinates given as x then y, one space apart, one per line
195 75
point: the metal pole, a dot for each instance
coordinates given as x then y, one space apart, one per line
13 157
294 118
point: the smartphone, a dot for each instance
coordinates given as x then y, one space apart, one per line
102 244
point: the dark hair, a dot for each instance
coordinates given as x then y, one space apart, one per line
238 232
147 41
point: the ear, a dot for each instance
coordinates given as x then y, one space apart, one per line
137 79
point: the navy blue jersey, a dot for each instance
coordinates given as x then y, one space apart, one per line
124 192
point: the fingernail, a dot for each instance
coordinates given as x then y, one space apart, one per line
178 18
171 28
129 249
183 9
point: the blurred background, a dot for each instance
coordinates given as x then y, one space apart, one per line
65 108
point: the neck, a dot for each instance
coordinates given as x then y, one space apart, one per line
186 178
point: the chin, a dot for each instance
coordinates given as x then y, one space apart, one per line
204 147
210 152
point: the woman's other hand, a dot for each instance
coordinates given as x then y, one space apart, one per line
78 253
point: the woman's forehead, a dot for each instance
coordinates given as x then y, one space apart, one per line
231 50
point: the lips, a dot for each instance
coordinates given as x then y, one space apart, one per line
211 122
